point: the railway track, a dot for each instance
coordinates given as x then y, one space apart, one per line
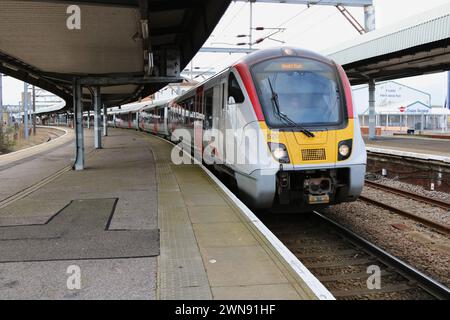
414 196
438 203
340 259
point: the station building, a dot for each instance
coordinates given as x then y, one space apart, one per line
399 108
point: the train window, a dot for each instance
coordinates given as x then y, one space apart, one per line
234 90
307 92
223 96
207 124
190 110
161 115
185 113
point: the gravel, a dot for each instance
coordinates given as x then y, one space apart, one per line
419 208
413 188
420 246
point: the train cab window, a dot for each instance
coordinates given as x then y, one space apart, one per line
234 90
207 124
307 91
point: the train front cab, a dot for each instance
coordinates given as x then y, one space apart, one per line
300 170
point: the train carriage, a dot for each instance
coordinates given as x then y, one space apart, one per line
288 114
279 122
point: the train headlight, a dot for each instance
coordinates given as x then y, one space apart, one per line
279 152
344 149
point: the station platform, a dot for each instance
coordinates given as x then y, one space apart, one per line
133 225
424 148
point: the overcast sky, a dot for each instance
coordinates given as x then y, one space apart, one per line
316 28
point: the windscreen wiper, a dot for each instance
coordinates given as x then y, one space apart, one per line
283 116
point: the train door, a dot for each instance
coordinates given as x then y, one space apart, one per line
234 100
166 121
230 119
198 123
222 122
217 120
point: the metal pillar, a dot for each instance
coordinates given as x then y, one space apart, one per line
251 25
78 116
105 121
369 18
97 119
372 109
25 110
444 117
88 124
422 119
1 109
34 110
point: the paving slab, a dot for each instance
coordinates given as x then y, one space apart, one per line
103 219
78 231
100 279
209 250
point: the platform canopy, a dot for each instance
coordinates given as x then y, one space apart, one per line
414 46
131 48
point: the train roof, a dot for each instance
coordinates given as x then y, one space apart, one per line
136 106
264 54
260 55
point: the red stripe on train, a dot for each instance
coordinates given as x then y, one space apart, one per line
244 72
347 91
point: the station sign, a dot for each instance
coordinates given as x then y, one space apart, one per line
418 108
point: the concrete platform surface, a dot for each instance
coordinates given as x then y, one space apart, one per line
102 220
424 148
137 227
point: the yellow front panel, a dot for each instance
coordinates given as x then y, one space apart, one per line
303 150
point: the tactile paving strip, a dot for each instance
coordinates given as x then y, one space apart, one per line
181 274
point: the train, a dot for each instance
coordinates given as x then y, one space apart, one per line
286 113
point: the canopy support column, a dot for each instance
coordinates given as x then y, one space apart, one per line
105 121
97 118
371 109
79 136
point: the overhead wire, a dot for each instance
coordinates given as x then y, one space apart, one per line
312 26
298 14
222 32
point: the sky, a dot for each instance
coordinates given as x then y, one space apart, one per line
315 28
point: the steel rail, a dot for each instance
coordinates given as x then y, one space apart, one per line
438 203
425 282
430 223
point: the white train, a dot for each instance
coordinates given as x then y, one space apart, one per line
285 113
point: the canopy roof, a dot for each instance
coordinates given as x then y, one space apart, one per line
110 49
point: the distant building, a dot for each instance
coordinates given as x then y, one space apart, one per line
399 107
388 93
